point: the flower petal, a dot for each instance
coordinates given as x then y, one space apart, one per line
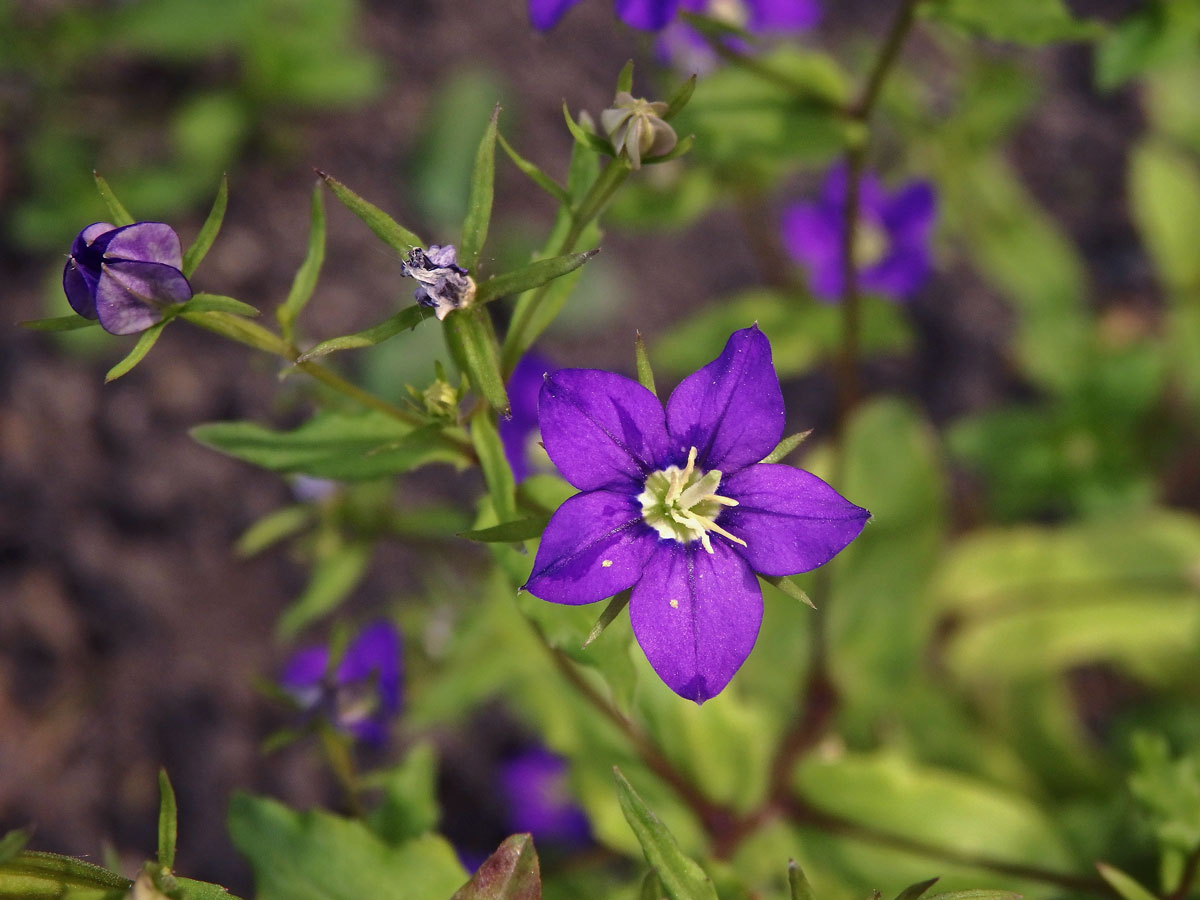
145 242
517 431
910 214
77 283
375 653
812 235
595 546
85 238
650 15
901 273
545 14
601 429
305 669
731 410
696 616
783 15
129 294
791 520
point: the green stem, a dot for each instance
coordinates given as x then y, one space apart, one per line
611 177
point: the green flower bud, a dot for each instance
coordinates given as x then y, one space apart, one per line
636 128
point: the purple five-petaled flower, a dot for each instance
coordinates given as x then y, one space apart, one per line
677 506
125 276
362 695
757 16
519 432
892 252
685 48
534 786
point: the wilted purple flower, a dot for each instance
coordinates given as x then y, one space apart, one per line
362 695
687 49
675 507
444 285
892 249
534 785
519 432
125 276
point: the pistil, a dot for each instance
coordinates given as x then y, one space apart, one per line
683 504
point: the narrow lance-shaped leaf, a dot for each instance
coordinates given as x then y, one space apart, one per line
12 844
219 303
914 891
798 884
479 201
496 472
59 323
145 341
680 98
116 209
625 78
305 281
611 611
789 587
333 578
208 231
168 821
683 146
509 532
385 227
408 318
682 878
36 874
645 374
786 446
585 137
531 276
1123 884
540 178
511 873
472 341
274 527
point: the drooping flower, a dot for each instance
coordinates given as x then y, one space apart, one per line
519 433
636 127
677 506
685 48
534 786
444 285
892 250
125 276
361 695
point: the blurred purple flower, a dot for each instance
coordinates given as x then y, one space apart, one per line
534 786
649 516
892 251
125 276
519 432
444 285
650 15
362 695
686 49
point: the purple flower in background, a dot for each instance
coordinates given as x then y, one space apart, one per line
519 432
444 285
757 16
892 251
125 276
650 15
685 48
534 786
677 506
362 695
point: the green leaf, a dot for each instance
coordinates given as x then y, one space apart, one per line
611 611
1127 887
1168 791
977 894
509 532
511 873
531 276
479 202
168 821
272 528
1033 22
540 178
385 227
220 303
625 78
35 874
786 584
585 138
798 882
334 577
120 215
651 887
13 843
145 341
408 318
202 890
645 373
496 472
471 338
305 281
208 231
679 99
72 322
343 446
786 446
1164 195
914 891
317 856
682 878
409 806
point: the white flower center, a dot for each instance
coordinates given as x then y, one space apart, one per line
682 504
871 244
731 12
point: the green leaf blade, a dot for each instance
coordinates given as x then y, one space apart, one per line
305 282
146 340
168 821
479 202
385 227
531 276
120 215
208 231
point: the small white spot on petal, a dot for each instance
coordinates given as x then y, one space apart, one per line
674 604
606 563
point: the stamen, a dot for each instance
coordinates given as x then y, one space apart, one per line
683 504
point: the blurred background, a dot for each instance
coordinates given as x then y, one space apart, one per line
132 634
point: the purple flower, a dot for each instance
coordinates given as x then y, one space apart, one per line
678 507
534 786
362 695
650 15
892 251
125 276
686 49
519 432
758 16
444 285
